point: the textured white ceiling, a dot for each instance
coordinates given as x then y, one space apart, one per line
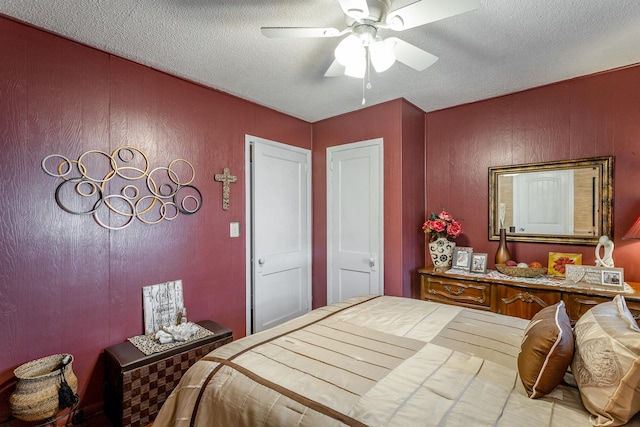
502 47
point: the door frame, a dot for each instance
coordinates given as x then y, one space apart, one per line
249 139
379 143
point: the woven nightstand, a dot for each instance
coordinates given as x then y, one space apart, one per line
137 385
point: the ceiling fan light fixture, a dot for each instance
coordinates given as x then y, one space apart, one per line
363 49
382 56
356 67
349 49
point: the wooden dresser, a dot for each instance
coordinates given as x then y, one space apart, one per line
511 297
136 385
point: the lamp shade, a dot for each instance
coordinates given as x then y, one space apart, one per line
356 68
351 52
348 50
634 231
382 56
352 55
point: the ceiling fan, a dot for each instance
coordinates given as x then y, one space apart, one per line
364 47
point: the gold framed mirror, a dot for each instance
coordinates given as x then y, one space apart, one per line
568 201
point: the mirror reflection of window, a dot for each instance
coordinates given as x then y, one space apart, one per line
587 201
543 202
551 202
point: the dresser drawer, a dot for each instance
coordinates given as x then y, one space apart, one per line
459 292
505 295
578 304
523 302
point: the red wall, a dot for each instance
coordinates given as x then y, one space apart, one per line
401 125
69 285
380 121
412 197
597 115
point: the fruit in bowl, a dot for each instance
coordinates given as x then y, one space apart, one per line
519 270
533 264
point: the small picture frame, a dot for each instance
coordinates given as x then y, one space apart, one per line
478 262
612 278
162 304
461 258
558 262
585 275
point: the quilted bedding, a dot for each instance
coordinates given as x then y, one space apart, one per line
371 361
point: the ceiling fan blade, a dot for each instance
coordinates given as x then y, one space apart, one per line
335 69
356 9
299 32
411 55
425 11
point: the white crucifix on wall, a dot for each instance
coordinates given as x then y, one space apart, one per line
226 179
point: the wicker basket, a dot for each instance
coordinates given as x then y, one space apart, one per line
520 271
36 395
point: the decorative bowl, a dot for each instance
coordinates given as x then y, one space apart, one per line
520 271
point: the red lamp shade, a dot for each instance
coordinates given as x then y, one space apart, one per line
634 231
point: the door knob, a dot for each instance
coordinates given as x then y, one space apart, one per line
372 262
261 261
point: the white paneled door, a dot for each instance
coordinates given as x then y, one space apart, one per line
543 202
280 247
355 220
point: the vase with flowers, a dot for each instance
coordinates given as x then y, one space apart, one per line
441 228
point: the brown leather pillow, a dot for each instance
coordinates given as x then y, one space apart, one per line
606 365
546 350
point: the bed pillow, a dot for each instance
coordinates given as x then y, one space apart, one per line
606 365
546 350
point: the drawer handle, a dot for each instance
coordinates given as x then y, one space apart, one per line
459 291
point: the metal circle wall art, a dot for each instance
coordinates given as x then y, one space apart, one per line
119 187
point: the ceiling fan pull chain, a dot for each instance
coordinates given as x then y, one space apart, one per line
363 100
367 75
364 78
368 68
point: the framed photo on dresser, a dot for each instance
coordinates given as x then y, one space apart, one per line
479 262
461 258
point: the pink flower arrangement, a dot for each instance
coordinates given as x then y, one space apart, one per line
442 225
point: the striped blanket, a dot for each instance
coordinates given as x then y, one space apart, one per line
371 361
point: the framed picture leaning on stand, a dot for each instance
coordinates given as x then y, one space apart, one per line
479 262
461 258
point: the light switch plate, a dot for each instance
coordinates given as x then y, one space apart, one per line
234 229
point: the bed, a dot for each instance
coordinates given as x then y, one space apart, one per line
392 361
